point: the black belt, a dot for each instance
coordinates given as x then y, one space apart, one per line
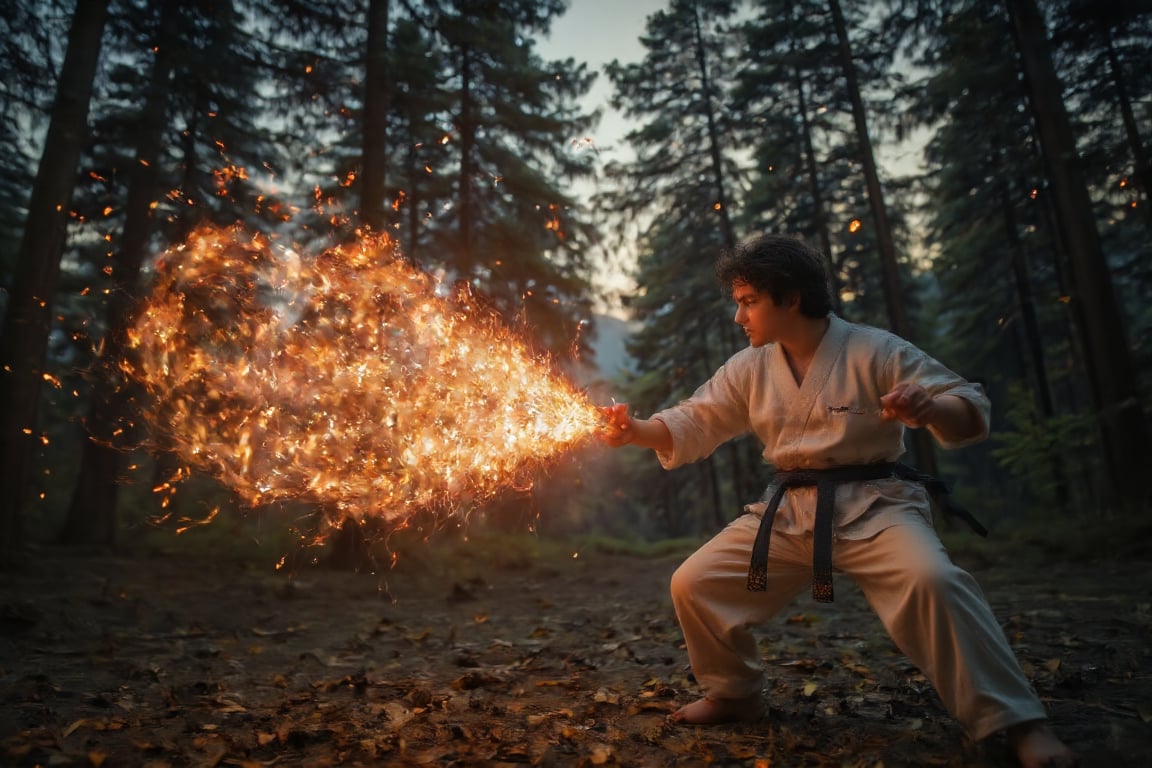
826 481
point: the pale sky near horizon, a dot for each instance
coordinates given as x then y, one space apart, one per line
596 32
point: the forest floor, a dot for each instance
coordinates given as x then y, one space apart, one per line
184 659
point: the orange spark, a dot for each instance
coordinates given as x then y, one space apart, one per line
349 380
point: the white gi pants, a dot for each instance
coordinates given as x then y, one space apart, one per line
933 610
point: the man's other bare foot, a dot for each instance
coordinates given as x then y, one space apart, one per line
710 711
1037 747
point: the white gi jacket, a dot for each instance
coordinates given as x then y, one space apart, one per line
831 420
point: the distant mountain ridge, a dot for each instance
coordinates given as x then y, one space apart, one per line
611 335
609 354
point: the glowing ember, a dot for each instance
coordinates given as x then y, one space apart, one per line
345 380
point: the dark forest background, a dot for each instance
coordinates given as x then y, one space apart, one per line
1019 255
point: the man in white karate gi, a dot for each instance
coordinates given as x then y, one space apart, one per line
830 401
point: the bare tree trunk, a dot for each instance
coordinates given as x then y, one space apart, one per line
466 126
28 317
412 247
1109 361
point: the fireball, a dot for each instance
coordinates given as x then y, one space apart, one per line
350 380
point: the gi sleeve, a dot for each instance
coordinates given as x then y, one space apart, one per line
714 414
908 363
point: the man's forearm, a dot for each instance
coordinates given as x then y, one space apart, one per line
651 433
954 418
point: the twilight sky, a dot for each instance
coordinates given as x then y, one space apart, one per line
598 31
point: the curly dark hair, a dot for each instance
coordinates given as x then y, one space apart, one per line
780 266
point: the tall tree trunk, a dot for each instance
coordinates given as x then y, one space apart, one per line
890 267
741 476
1032 338
820 218
715 150
819 215
412 247
374 159
92 513
28 317
350 545
704 366
1142 170
350 548
466 125
1109 362
168 469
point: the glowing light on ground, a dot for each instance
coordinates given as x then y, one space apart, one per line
347 380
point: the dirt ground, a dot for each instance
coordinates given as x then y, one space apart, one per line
190 661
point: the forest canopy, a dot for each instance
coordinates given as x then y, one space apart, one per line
1017 249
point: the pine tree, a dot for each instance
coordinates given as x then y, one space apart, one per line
91 519
199 141
682 188
27 39
419 145
516 236
28 315
783 80
811 79
1109 362
1101 50
999 315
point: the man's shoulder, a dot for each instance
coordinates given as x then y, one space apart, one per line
748 360
752 355
751 351
862 333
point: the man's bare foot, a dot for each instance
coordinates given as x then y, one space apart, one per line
1037 747
710 711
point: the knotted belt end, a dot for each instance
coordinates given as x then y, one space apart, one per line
822 587
758 578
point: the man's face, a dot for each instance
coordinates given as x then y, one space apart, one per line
758 314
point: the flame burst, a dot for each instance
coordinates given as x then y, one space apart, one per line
346 380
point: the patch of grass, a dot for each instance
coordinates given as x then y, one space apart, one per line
255 539
261 539
609 545
1077 539
456 555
